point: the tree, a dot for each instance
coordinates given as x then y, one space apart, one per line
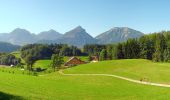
103 55
160 46
57 61
110 50
166 55
29 60
157 54
119 51
89 58
8 59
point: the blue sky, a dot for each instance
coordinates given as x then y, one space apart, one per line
96 16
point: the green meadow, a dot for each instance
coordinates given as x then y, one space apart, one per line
131 68
53 86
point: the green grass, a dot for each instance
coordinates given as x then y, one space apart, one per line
42 64
57 87
10 70
132 68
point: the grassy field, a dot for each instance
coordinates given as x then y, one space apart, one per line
57 87
42 64
132 68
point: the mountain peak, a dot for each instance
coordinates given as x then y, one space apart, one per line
77 37
79 28
120 28
50 35
76 31
19 30
52 30
118 34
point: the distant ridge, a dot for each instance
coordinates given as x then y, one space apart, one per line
77 36
118 34
49 35
7 47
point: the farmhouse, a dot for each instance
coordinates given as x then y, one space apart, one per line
74 61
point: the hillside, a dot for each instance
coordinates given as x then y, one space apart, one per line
53 85
132 68
118 34
7 47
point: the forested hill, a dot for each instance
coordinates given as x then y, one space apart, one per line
7 47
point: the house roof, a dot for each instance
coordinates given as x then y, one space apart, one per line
72 58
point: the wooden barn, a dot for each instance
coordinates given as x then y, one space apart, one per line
74 61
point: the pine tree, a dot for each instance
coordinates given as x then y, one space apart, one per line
103 55
157 54
166 55
120 51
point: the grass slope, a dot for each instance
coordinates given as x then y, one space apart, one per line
132 68
55 86
42 64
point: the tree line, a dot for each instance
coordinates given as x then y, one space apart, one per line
8 59
44 51
154 47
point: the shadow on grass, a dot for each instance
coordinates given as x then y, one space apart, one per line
5 96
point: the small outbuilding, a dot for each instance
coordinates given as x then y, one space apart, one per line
74 61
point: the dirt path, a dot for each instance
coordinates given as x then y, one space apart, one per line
119 77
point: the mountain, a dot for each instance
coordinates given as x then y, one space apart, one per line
49 35
118 34
18 37
21 37
7 47
77 37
